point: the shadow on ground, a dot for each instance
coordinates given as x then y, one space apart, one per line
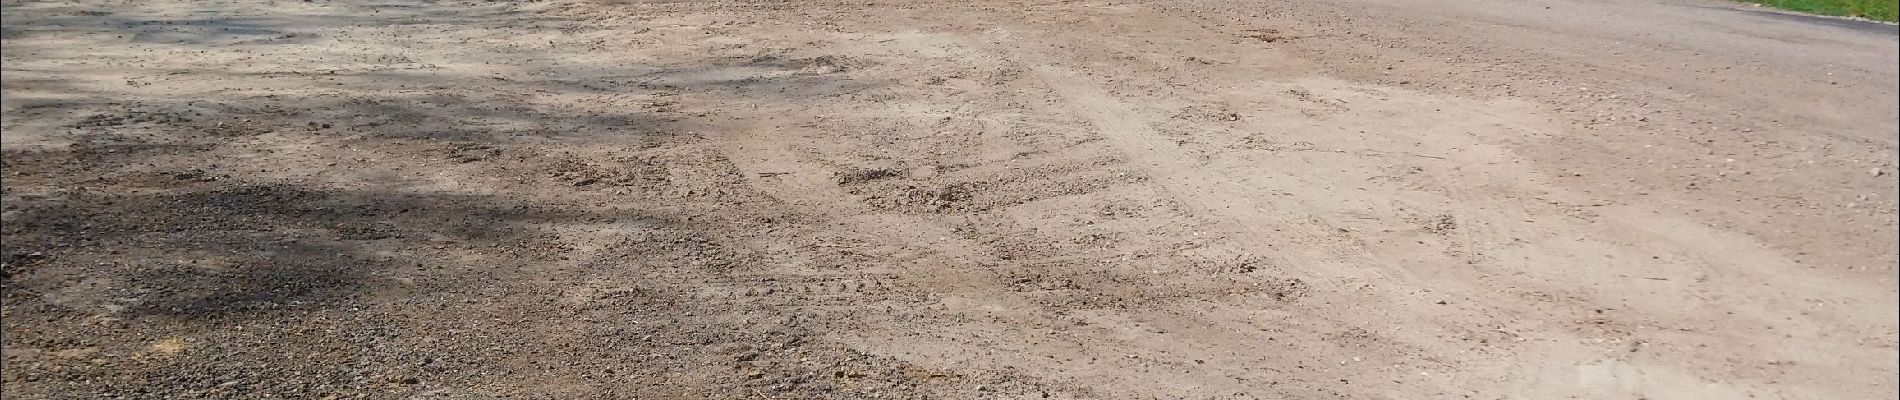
213 200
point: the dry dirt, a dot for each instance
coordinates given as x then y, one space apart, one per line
565 199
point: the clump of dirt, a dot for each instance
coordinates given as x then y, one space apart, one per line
1026 281
197 175
861 175
472 152
1285 289
825 64
18 263
129 117
1264 34
830 63
625 171
1207 113
921 198
1440 224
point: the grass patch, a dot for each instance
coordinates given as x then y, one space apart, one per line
1882 10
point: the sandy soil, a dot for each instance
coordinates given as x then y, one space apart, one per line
1488 199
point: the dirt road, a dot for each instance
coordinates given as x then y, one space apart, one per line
565 199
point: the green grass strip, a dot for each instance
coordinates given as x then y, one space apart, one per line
1881 10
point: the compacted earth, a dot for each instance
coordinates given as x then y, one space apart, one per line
571 199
